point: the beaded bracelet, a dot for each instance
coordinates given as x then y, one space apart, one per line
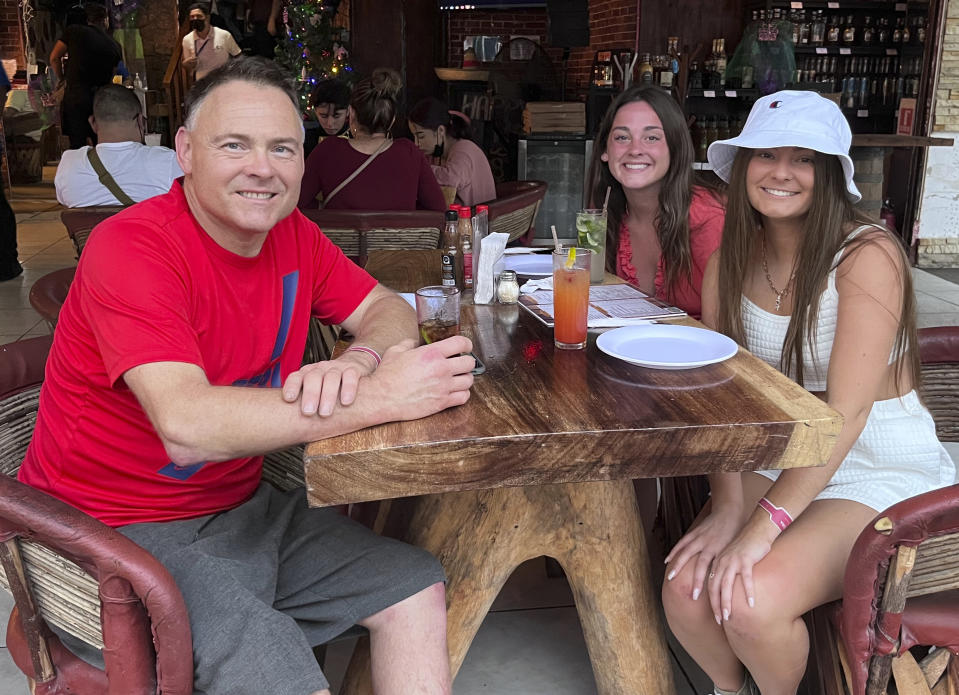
367 351
777 515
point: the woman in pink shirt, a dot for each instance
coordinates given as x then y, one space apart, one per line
457 161
662 227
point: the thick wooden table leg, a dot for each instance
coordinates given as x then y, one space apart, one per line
607 565
593 529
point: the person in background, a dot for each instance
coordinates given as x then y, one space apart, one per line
444 135
92 56
180 348
9 261
262 18
206 47
662 226
139 171
815 288
330 101
396 174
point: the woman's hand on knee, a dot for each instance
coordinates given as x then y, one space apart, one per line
737 560
701 544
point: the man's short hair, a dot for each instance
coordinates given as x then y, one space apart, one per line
255 70
114 103
202 6
96 12
334 92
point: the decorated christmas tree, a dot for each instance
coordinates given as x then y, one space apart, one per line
312 47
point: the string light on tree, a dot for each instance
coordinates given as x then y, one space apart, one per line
314 48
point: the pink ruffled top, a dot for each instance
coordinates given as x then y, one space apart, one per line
706 217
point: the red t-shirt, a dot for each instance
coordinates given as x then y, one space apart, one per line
706 217
399 178
152 286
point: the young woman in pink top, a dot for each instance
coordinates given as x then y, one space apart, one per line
661 227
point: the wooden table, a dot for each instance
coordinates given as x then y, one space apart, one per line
540 462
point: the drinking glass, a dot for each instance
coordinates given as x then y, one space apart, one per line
570 297
438 312
591 234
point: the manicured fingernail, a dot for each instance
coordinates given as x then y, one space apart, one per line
672 573
752 602
726 614
718 621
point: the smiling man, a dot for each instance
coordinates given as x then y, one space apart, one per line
179 348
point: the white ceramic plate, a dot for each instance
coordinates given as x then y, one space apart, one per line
530 266
665 346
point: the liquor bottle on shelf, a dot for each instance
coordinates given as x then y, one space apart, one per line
721 61
711 132
849 31
868 32
672 57
804 28
695 76
921 23
897 32
906 33
817 32
645 69
883 34
832 31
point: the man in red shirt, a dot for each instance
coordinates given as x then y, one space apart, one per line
176 363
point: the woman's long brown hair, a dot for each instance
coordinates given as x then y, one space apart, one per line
675 194
824 233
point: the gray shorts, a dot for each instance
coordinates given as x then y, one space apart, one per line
266 581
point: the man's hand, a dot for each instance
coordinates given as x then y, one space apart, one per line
413 382
318 386
189 63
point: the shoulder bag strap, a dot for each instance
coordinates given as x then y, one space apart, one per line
360 168
106 179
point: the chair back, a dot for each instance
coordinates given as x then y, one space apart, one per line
358 232
939 357
81 221
514 210
49 292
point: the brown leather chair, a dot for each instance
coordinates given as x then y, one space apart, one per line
901 589
81 221
514 210
357 232
49 292
66 569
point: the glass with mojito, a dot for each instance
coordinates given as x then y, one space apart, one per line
591 234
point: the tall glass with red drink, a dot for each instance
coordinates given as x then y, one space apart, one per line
570 297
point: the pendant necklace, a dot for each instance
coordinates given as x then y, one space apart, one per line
780 294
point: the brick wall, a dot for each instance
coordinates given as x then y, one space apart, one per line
10 32
612 24
939 211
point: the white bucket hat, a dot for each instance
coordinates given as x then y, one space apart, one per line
790 119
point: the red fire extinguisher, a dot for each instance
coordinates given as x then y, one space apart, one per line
888 215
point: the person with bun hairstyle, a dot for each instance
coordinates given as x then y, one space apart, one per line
820 291
444 136
396 174
663 225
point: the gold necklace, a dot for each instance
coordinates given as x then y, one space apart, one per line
779 293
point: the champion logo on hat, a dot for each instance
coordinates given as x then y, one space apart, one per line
775 104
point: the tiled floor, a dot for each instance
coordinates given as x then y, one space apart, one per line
531 644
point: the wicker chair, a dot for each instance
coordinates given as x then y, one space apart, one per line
81 221
49 292
67 570
901 589
358 232
514 210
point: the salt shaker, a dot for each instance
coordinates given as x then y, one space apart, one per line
507 289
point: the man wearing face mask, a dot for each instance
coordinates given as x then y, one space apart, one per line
136 171
92 56
206 47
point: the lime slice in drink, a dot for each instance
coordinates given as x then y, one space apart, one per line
571 258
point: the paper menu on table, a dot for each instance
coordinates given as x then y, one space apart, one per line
607 303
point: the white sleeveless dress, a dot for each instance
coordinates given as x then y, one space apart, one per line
898 455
